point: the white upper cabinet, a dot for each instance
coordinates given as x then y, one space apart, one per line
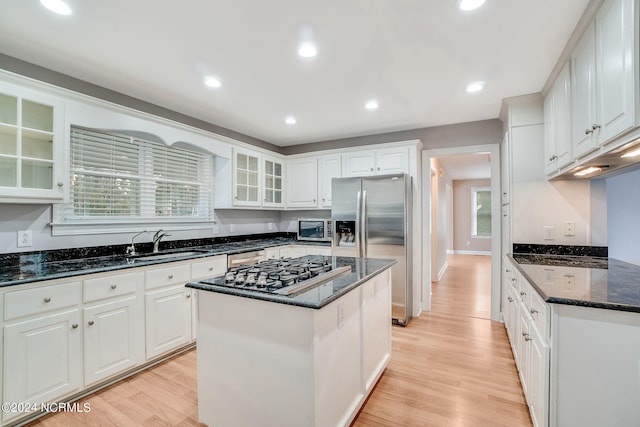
603 69
31 146
272 182
246 178
329 167
376 162
302 182
557 123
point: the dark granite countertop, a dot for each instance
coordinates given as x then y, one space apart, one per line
16 269
362 269
584 281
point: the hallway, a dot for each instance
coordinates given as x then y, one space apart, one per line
451 366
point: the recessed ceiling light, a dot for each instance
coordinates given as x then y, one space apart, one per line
212 82
475 87
307 50
57 6
290 120
467 5
371 104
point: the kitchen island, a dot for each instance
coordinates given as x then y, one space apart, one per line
308 359
574 323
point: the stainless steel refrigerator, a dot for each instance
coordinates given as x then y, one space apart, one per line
372 219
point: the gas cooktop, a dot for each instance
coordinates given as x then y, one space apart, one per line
281 276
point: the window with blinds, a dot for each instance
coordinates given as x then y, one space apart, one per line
124 178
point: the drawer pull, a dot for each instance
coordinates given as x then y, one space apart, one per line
114 286
91 322
171 276
533 311
510 299
526 338
522 293
513 279
210 268
74 326
47 300
188 296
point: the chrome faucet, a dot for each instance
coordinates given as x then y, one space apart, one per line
131 250
156 239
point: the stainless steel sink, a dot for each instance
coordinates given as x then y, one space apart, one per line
157 256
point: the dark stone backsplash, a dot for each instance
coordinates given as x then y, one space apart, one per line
530 248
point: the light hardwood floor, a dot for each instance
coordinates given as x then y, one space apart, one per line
450 367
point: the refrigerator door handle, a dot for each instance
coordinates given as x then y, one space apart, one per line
363 224
358 222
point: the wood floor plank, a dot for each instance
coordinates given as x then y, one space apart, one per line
449 367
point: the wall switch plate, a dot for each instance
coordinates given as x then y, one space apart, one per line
25 238
549 232
569 228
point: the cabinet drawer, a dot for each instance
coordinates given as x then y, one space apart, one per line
524 291
159 277
540 314
209 268
42 299
109 286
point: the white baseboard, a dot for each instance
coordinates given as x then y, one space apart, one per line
472 252
450 251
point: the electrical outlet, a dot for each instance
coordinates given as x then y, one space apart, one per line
569 228
549 232
25 239
569 282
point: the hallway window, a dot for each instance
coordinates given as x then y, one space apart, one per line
481 211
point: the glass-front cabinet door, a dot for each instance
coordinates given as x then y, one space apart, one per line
273 179
31 133
247 182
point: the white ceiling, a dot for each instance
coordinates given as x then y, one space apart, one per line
467 166
414 56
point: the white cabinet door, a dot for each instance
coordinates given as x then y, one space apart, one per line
272 182
329 167
292 251
557 119
505 168
360 163
246 178
522 343
392 161
616 53
302 183
168 319
113 338
376 329
538 396
42 359
583 96
31 144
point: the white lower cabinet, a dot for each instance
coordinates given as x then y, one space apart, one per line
42 359
168 319
526 320
113 338
296 251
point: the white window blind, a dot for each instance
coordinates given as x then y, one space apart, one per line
120 178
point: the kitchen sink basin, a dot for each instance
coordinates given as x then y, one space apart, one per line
157 256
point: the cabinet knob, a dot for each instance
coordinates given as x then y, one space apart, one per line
525 334
171 276
91 322
47 300
595 126
323 199
371 169
533 311
60 184
314 200
378 167
522 293
188 296
114 286
510 299
210 268
74 326
588 131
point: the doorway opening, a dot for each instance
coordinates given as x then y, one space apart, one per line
463 219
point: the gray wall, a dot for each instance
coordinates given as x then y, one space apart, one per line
623 216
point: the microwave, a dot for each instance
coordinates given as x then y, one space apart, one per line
319 230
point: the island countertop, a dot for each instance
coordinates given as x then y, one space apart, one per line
596 282
362 269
